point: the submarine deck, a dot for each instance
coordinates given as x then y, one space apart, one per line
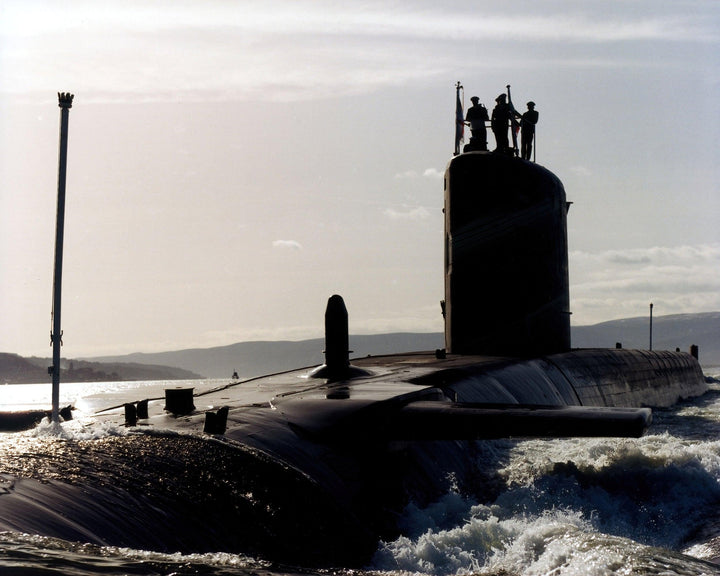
589 377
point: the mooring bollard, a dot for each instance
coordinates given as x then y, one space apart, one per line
216 422
130 414
179 401
142 410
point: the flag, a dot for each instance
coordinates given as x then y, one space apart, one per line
459 122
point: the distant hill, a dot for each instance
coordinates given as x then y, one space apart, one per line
669 332
17 370
261 357
257 358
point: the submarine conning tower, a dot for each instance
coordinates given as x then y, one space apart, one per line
506 257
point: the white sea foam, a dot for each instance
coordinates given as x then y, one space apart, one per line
214 559
487 543
579 506
77 430
556 542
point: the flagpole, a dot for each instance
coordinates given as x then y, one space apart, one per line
459 118
65 103
513 122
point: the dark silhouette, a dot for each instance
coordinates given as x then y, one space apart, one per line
499 123
527 130
459 123
476 116
514 124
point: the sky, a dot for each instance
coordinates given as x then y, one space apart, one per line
233 164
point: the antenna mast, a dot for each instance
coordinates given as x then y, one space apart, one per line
65 102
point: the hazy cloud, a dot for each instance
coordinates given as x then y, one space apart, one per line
287 244
434 173
418 213
675 279
658 255
589 21
581 171
313 46
629 258
406 175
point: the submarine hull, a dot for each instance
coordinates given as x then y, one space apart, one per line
305 460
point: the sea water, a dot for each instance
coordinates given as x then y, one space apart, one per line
555 507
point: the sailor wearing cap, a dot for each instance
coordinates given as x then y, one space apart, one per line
499 123
527 130
476 116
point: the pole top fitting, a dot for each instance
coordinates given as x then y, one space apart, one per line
65 99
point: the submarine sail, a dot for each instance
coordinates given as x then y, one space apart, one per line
506 263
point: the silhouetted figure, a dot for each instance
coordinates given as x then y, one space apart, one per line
527 130
477 115
499 123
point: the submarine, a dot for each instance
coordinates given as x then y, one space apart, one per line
314 466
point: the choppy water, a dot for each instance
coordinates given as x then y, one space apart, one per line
553 507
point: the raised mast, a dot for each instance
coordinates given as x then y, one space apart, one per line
65 102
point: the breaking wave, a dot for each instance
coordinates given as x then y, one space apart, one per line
580 506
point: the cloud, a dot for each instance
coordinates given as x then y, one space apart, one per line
628 258
591 22
617 284
583 171
656 255
408 174
434 173
315 47
287 244
409 214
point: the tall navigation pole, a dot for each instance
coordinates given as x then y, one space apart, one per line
65 103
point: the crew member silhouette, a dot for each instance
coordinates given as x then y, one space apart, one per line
499 123
477 115
527 130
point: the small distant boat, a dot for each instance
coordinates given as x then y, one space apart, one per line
235 375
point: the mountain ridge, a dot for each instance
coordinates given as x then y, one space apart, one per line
15 369
255 358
